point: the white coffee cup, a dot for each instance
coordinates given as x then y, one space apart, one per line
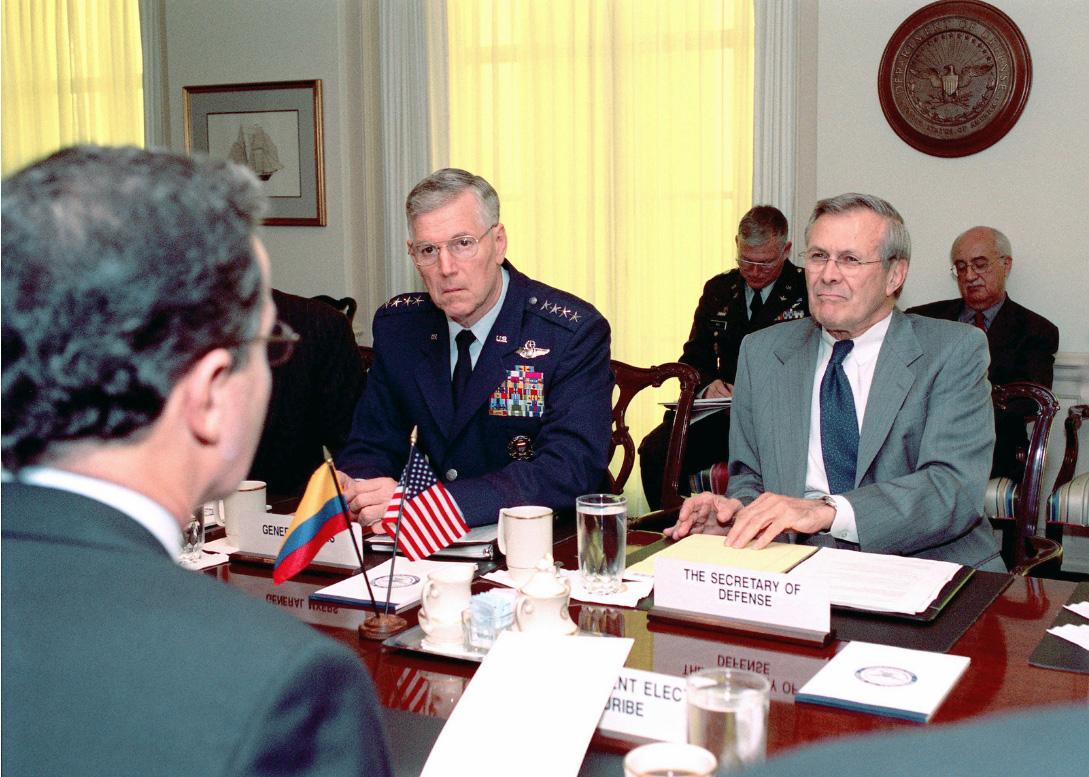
245 503
525 537
669 758
444 597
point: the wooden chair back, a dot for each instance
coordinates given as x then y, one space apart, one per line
345 305
1022 550
630 380
1077 513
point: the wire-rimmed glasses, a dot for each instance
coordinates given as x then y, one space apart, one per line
462 248
846 262
978 265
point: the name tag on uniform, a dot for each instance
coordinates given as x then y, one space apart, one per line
521 394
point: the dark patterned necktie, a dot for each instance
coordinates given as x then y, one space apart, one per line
463 369
980 321
839 422
755 306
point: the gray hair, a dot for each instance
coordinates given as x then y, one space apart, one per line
761 224
122 267
895 243
443 186
1001 242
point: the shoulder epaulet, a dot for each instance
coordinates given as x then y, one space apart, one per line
559 307
413 300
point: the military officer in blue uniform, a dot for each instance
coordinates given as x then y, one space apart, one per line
507 379
764 289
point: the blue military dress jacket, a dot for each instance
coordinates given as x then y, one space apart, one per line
534 425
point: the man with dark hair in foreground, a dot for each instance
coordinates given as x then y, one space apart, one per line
137 335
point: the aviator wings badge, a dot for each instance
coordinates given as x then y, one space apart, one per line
531 351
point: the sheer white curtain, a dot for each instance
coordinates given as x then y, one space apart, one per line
774 123
412 36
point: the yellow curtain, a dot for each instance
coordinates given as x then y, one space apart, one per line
72 73
619 136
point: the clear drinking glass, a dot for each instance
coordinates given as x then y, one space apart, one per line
601 522
193 536
728 715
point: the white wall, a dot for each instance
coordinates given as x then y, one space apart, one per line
1033 184
242 41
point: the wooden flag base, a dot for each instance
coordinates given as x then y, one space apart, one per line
382 626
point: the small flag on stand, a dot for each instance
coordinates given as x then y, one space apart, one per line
431 518
318 518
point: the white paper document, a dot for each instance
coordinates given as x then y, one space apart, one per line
531 708
1081 608
1076 633
629 595
404 589
878 582
885 680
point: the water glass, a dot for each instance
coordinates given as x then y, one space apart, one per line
601 522
728 715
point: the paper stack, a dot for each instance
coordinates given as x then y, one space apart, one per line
877 582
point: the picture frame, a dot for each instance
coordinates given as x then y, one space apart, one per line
275 129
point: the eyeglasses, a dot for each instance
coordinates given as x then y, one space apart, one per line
979 265
280 344
761 265
846 263
462 248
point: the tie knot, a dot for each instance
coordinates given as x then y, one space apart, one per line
464 339
840 351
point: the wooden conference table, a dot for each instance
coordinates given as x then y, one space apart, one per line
999 644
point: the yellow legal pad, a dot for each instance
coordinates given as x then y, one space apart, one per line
709 549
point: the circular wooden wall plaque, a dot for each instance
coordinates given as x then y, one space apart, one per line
954 77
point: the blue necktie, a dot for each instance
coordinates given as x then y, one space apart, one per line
463 369
839 423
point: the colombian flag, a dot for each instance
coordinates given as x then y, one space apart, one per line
318 518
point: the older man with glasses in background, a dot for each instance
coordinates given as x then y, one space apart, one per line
1022 343
507 379
764 289
865 429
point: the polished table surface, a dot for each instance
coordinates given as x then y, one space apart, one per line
999 644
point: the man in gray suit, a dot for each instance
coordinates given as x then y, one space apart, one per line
871 430
138 331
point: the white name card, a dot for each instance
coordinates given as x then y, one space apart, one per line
264 535
647 705
742 594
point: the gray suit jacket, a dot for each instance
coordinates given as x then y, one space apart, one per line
117 661
925 449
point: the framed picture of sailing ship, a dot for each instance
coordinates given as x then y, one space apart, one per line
274 128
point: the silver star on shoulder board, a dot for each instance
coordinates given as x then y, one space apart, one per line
545 304
395 302
575 316
554 309
417 300
566 312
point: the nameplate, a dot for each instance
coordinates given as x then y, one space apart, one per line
742 595
647 705
264 535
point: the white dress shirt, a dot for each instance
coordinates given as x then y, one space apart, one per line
859 368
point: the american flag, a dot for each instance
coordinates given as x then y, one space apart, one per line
432 519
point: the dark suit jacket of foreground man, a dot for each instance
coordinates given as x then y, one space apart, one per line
472 448
1022 346
925 444
103 631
